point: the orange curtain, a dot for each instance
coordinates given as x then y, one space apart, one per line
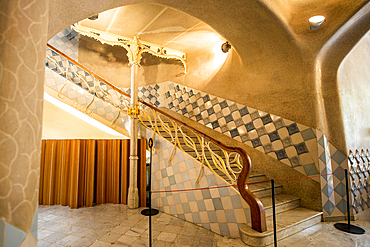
79 173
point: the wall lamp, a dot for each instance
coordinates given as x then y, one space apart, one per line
94 17
316 21
225 47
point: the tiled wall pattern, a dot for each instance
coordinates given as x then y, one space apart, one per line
221 210
13 236
289 142
149 94
81 96
333 187
359 174
67 42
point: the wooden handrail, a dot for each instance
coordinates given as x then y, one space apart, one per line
257 210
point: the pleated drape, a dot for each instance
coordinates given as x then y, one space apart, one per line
79 173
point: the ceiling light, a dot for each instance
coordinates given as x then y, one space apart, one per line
316 21
225 47
94 17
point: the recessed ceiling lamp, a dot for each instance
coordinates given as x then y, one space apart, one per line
94 17
316 21
225 47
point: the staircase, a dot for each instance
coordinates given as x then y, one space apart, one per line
291 218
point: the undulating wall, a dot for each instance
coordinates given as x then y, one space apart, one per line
353 82
22 55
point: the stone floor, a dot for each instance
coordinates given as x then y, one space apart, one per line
116 225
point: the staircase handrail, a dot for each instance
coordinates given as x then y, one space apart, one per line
257 210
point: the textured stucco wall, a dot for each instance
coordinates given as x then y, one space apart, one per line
354 85
22 56
278 70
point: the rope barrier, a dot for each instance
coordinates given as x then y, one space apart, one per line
233 185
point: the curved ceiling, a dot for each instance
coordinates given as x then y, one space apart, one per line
159 25
275 64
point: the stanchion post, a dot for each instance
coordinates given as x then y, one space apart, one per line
348 207
273 210
150 211
348 227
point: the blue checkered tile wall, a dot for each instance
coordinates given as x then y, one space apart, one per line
66 41
291 143
221 210
149 94
83 97
333 189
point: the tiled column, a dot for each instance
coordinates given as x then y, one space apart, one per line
23 26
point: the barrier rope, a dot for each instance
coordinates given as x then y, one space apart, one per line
233 185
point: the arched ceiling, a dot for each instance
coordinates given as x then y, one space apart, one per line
274 68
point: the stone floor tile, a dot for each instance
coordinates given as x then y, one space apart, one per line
69 240
167 237
160 243
140 243
110 237
83 242
126 240
100 244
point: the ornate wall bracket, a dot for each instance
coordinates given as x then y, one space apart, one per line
135 47
133 111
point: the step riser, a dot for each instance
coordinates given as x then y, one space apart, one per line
280 208
267 192
282 233
257 179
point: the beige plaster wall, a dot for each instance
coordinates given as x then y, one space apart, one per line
22 68
354 85
59 124
279 70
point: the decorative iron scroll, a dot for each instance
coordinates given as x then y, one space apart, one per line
135 47
359 174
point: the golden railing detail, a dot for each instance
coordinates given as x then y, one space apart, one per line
231 163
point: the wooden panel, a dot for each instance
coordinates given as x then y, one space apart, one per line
116 170
89 173
125 169
76 173
100 172
109 172
42 165
141 181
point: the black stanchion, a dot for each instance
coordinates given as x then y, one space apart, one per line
150 211
273 210
348 227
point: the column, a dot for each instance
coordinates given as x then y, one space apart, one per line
133 193
23 26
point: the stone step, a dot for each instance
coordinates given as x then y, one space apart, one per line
264 189
256 177
288 223
283 203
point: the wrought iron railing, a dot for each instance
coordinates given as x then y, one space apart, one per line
359 174
231 163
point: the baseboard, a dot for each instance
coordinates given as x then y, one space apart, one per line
338 218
